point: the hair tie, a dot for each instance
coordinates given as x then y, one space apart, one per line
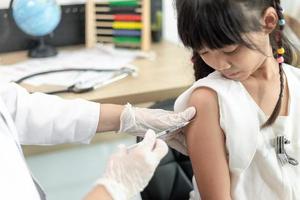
281 22
280 59
281 51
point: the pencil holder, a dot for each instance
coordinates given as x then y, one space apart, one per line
123 23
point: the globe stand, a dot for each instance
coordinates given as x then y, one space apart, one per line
42 50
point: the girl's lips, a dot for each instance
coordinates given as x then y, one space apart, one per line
232 74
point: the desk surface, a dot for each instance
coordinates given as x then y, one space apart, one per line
165 77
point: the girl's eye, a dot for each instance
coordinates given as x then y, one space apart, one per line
232 51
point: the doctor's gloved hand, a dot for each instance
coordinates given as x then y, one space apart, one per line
136 121
129 170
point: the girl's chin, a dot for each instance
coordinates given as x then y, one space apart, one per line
236 77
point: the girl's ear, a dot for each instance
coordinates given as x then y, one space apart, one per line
270 20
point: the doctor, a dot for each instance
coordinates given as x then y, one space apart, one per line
39 119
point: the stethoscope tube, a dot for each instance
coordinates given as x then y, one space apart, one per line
74 88
65 70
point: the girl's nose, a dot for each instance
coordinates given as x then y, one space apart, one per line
223 65
221 62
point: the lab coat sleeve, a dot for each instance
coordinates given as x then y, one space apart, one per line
47 119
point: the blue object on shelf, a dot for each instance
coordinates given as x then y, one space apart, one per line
37 18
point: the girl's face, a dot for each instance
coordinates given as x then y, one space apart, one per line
238 62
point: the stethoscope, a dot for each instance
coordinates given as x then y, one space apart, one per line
85 86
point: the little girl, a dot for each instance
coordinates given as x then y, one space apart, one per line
245 140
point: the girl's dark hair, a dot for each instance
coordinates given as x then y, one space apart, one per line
218 23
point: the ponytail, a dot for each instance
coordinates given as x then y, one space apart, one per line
281 54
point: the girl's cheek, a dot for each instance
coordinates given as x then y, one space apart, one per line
209 61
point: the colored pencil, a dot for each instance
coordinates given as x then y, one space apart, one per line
120 32
118 10
120 40
131 46
120 17
120 3
120 25
124 45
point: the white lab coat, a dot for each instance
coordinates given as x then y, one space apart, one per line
37 119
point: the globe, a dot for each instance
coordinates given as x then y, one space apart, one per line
37 18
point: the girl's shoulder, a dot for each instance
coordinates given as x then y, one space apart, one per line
215 81
235 115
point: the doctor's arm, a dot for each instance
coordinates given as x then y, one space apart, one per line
49 119
109 117
99 193
206 147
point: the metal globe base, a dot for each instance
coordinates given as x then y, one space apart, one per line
42 50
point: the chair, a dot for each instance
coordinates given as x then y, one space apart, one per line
172 179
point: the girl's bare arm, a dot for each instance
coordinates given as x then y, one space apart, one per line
206 146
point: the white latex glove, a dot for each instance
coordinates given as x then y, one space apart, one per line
136 121
129 171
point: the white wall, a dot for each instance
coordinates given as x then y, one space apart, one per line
292 7
4 4
169 22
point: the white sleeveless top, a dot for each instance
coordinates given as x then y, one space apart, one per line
255 171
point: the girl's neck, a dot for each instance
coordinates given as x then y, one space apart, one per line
268 70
